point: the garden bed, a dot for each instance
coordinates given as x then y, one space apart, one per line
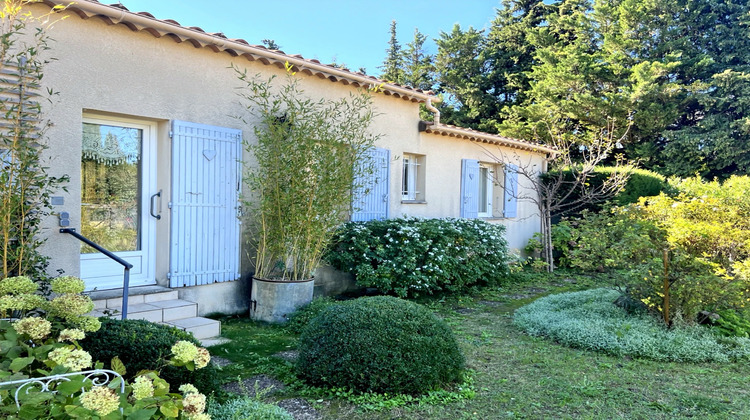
516 375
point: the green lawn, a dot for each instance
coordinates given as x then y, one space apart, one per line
517 376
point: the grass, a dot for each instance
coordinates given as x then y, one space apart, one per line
518 376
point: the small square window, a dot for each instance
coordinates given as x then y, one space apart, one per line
491 193
412 181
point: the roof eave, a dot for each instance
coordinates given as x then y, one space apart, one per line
158 28
481 137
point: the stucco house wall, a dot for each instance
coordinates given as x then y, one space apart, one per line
109 71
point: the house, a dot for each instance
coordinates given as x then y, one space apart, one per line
145 126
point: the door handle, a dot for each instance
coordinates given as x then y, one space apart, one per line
151 210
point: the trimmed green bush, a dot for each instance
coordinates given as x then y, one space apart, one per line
142 345
590 320
246 408
299 319
379 344
410 256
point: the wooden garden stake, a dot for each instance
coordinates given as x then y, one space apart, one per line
666 286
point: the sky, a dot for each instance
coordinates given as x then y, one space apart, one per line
350 32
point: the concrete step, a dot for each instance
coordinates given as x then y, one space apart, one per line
156 304
113 298
202 328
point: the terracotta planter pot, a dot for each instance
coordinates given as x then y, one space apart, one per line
273 300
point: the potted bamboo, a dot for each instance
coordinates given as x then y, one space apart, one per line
308 155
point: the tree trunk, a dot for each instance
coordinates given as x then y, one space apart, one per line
547 238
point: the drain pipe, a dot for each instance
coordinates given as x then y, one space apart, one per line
435 111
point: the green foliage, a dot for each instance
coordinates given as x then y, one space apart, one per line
393 64
379 344
143 345
245 408
676 70
591 321
732 324
614 239
309 154
413 256
25 181
299 319
641 183
704 226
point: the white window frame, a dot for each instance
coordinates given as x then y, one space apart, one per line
491 178
412 178
486 189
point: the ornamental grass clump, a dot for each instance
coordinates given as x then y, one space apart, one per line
310 155
591 320
379 344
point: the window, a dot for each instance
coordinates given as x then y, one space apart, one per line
412 181
488 190
486 193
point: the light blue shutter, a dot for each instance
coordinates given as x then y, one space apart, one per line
511 191
205 229
469 188
370 202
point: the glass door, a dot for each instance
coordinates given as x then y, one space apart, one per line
117 178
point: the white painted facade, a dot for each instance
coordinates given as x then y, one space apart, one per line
109 73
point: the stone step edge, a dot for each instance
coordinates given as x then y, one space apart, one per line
137 308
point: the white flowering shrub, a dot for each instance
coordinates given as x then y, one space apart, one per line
411 256
590 320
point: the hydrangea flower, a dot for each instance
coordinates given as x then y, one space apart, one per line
36 328
193 404
71 334
184 351
188 389
21 302
202 359
88 323
17 286
199 416
143 387
73 359
101 400
67 284
71 305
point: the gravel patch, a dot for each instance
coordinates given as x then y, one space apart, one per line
220 361
300 409
289 355
265 384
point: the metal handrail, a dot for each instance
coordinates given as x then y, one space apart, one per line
127 265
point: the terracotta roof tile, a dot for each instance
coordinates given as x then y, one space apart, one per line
482 137
218 42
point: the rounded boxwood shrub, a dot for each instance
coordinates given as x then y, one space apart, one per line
299 319
143 345
379 344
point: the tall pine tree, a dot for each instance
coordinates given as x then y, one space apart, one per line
394 60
